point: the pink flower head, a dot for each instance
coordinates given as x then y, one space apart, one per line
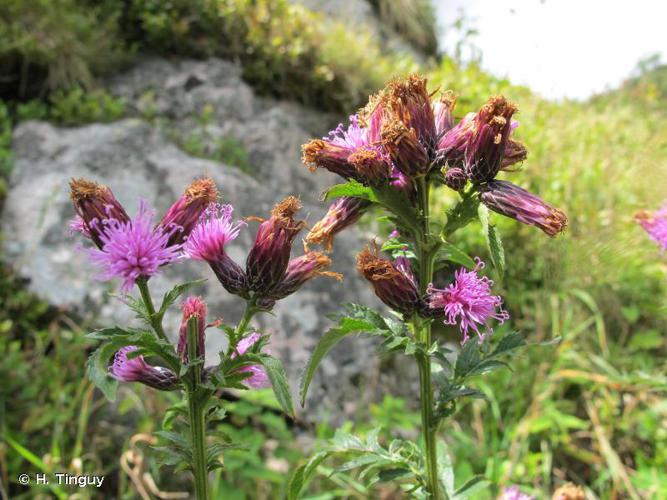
469 302
213 231
136 369
133 249
655 224
258 377
192 307
514 493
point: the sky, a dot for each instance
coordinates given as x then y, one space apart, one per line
559 48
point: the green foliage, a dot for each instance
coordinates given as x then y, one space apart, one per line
414 20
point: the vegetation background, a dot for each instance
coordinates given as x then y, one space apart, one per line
592 410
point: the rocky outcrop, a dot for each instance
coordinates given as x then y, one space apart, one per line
137 159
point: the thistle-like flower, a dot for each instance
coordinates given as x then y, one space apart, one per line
655 224
258 377
352 152
468 302
186 211
393 282
136 369
480 143
300 270
193 307
207 242
342 213
512 201
94 203
269 256
134 248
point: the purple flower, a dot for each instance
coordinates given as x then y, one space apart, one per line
193 307
136 369
351 152
655 224
468 302
258 377
187 210
94 204
269 256
512 201
393 282
455 178
207 242
133 249
514 493
300 270
342 213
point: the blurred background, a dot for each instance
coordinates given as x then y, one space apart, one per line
144 95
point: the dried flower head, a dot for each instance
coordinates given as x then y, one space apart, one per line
134 248
136 369
193 307
342 213
512 201
408 101
468 302
655 224
393 282
569 491
302 269
405 149
268 258
186 211
93 204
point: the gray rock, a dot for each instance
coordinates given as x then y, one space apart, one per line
137 161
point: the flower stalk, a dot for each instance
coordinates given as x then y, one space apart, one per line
156 323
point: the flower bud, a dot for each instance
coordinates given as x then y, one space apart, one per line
342 213
300 270
512 201
185 212
455 178
485 150
94 203
394 283
406 151
136 369
193 307
443 112
268 258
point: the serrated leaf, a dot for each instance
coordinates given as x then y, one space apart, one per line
172 295
508 343
451 253
276 373
468 358
350 189
98 370
488 365
493 241
303 474
392 474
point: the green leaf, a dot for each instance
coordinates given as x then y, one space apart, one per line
276 373
493 241
363 320
98 369
303 474
451 253
398 204
172 295
472 486
350 189
468 358
445 468
508 343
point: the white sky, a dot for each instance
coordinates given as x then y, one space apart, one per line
560 48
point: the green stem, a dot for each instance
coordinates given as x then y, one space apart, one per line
426 256
196 415
156 322
250 310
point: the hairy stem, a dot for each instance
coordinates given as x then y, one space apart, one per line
156 322
196 415
426 255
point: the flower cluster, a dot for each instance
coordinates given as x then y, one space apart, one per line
403 133
655 224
